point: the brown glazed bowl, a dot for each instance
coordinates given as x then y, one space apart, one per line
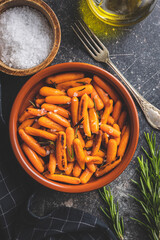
31 88
55 26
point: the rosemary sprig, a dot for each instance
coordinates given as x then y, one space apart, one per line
81 89
33 104
54 85
111 211
149 188
71 154
80 121
95 106
83 83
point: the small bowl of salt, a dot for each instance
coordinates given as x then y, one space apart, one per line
30 36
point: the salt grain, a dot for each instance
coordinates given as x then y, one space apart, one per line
26 37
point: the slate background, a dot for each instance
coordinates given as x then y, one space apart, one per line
136 52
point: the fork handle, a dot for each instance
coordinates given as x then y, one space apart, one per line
151 113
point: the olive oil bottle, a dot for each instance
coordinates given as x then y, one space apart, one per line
121 12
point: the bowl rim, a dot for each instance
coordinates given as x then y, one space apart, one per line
56 29
68 67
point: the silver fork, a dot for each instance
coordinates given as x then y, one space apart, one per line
101 54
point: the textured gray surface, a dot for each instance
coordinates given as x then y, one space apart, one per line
136 52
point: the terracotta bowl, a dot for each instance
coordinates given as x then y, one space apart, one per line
54 23
30 89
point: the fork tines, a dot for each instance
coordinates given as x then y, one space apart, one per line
88 38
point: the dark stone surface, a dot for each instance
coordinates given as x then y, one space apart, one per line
136 52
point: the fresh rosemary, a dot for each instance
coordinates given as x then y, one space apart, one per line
149 188
111 211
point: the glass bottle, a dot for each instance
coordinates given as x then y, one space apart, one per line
121 12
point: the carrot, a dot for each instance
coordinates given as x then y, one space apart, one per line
64 77
26 123
83 113
123 142
69 142
106 87
40 133
105 139
74 110
61 151
85 176
32 143
103 95
76 83
116 126
39 101
93 120
69 168
58 119
111 150
97 100
122 119
46 122
107 168
94 159
36 112
110 120
33 157
80 138
107 111
49 91
63 178
56 109
90 102
89 144
91 167
117 110
58 99
123 129
76 170
80 155
36 124
52 163
79 91
25 115
100 154
97 143
110 130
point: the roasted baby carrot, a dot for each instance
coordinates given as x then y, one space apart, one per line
91 167
107 111
26 123
94 159
106 168
79 135
110 130
69 168
32 143
123 142
90 102
110 120
79 91
85 176
76 170
33 157
97 100
48 123
63 178
49 91
122 119
105 139
80 155
36 124
58 119
111 150
93 120
40 133
64 77
74 110
36 112
70 84
56 109
52 163
83 113
39 101
25 115
102 94
58 99
97 143
61 151
69 141
106 87
89 144
100 154
116 126
117 110
123 129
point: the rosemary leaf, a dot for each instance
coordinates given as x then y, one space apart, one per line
33 104
80 121
71 155
81 89
84 83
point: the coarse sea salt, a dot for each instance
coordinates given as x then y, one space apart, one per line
26 37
